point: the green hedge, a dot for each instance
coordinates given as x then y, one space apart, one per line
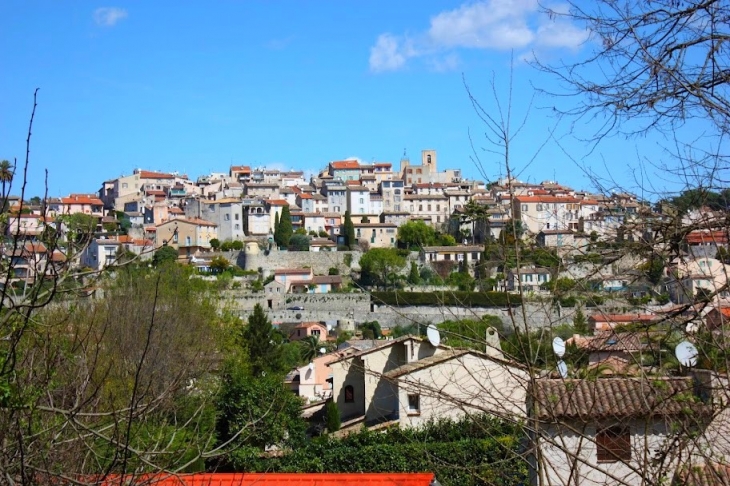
484 452
454 298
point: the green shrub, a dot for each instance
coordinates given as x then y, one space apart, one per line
332 417
457 298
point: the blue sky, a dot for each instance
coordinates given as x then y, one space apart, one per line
198 86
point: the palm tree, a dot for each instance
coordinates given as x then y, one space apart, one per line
6 175
309 348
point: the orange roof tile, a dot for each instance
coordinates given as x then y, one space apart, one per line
282 479
623 317
277 202
244 169
546 199
296 271
82 199
148 174
345 164
700 237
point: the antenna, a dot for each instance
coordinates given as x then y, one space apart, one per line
562 369
434 337
686 353
559 347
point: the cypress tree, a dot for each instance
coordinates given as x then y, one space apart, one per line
285 227
277 235
349 231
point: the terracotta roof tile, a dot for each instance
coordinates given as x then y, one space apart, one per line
546 199
281 479
148 174
345 164
612 398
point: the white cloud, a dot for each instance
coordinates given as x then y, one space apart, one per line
500 24
388 54
109 16
484 24
560 34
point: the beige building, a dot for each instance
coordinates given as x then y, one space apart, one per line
377 235
451 384
361 390
432 208
186 235
539 213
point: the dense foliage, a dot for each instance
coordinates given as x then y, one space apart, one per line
458 298
477 451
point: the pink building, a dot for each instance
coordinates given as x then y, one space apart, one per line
306 329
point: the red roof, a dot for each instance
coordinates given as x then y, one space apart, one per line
285 479
148 174
623 317
82 199
277 202
345 164
546 199
293 271
244 169
699 237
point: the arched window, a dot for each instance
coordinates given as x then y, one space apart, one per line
349 394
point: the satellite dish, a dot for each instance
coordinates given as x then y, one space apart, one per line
434 337
559 347
562 368
311 366
322 350
686 353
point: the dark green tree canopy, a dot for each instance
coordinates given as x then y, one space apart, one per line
262 341
284 230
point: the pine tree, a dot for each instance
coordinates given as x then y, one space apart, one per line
263 350
285 228
580 324
349 231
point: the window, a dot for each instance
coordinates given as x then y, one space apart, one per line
349 394
418 171
362 200
316 332
174 237
188 241
420 207
613 444
414 404
429 208
237 215
539 207
438 207
124 185
227 217
237 226
524 207
428 159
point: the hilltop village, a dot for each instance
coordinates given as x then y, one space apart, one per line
421 295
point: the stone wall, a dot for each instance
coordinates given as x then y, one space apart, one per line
319 261
357 307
